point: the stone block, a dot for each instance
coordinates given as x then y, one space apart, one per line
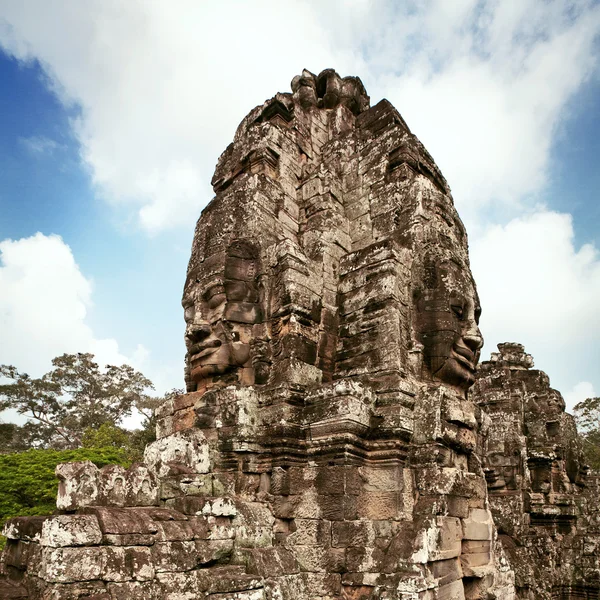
382 479
439 538
161 514
253 525
134 590
204 505
478 526
379 505
310 532
469 561
351 533
142 487
171 531
94 590
174 556
256 594
224 484
129 539
122 520
451 591
78 484
271 562
67 565
233 582
334 508
212 528
24 528
211 551
182 450
112 486
447 571
71 530
19 553
127 563
310 558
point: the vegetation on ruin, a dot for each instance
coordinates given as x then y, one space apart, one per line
587 414
73 413
28 485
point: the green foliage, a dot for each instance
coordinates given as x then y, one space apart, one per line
14 438
587 414
76 404
591 449
74 396
28 485
132 443
105 436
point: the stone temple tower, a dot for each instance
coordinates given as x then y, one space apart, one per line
332 317
326 446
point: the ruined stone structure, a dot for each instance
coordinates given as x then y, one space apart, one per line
545 506
327 445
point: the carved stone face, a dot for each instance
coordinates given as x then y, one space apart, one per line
447 321
220 316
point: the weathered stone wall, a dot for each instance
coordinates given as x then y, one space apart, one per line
326 446
543 503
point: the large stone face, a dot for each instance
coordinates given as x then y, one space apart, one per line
327 446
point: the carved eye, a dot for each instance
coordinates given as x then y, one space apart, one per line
216 300
458 310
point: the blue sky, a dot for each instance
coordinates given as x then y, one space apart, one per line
113 115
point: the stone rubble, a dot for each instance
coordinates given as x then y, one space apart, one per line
328 445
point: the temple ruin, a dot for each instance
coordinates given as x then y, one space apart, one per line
337 439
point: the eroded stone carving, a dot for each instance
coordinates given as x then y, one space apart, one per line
537 480
448 313
222 305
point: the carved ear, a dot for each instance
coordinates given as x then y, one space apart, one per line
262 295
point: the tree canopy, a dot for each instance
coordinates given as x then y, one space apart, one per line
75 396
587 414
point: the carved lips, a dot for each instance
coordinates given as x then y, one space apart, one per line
465 356
204 349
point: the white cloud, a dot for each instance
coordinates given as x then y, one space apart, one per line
486 89
538 289
43 307
580 392
39 144
162 86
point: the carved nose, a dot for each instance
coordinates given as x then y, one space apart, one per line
473 338
198 332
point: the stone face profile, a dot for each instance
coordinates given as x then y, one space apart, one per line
337 439
448 313
221 307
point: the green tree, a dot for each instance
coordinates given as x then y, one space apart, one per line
74 396
587 414
105 436
15 438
